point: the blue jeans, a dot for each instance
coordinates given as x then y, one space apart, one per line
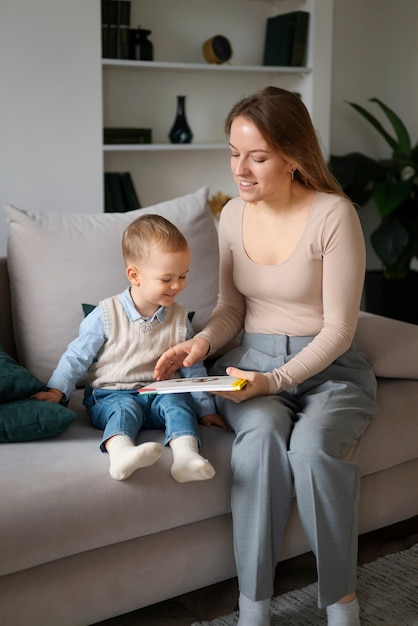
127 413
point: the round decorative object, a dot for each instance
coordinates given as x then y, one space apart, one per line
217 49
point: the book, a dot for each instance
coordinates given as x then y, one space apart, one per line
116 15
108 204
123 21
127 135
298 55
129 193
105 28
117 200
119 193
286 39
109 28
184 385
278 43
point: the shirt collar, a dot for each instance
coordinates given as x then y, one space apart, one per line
133 314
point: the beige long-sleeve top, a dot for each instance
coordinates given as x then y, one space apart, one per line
315 292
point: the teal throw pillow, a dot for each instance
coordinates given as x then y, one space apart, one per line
16 381
21 417
27 419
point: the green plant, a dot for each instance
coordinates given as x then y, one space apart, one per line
393 185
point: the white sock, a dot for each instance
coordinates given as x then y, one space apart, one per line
187 463
344 613
126 458
254 612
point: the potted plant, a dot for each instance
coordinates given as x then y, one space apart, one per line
392 183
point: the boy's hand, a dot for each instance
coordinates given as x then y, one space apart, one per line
215 420
51 395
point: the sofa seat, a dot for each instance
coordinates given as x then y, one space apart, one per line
68 503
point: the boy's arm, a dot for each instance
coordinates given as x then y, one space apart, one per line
77 359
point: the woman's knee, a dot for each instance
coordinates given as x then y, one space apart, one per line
262 418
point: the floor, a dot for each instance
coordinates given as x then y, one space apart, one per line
220 599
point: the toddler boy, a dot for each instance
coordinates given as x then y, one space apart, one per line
118 345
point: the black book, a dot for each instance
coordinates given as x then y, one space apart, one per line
108 204
105 28
286 39
278 42
129 192
123 21
116 201
109 28
299 38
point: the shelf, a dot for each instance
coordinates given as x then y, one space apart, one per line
155 147
200 67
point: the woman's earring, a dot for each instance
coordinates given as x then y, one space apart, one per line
292 175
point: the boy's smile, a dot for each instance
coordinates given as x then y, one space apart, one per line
158 280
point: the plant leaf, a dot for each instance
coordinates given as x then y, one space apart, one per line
404 140
388 195
374 122
389 241
355 173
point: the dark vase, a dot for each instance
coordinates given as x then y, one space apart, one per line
392 297
180 131
141 48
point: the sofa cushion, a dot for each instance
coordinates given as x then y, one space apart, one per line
68 503
57 261
390 346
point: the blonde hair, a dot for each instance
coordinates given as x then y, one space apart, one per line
285 123
148 231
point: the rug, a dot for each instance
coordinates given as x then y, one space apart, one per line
387 590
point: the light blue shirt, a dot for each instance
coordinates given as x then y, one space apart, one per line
83 350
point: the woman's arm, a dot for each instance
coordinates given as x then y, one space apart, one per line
344 260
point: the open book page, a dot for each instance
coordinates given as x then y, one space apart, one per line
183 385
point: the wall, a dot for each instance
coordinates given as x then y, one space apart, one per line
50 120
375 55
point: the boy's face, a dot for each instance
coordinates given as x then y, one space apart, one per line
159 279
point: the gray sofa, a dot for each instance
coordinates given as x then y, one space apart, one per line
77 547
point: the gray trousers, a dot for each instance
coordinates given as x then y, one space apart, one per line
295 440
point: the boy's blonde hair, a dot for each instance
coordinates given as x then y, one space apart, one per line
148 231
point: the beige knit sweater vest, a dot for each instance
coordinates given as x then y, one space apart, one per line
128 357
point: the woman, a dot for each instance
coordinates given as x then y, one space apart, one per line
292 262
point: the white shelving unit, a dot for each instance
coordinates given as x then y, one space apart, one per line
144 93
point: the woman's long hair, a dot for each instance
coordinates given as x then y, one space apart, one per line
284 122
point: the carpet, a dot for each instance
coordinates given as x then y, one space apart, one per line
387 590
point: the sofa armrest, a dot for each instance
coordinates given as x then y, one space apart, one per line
390 346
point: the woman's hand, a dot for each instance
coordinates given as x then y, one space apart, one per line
183 354
257 385
51 395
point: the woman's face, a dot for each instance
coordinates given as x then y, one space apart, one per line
260 172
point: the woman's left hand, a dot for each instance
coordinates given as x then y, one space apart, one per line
257 385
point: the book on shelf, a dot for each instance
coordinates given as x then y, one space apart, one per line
286 39
184 385
127 135
116 19
129 192
120 193
299 53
